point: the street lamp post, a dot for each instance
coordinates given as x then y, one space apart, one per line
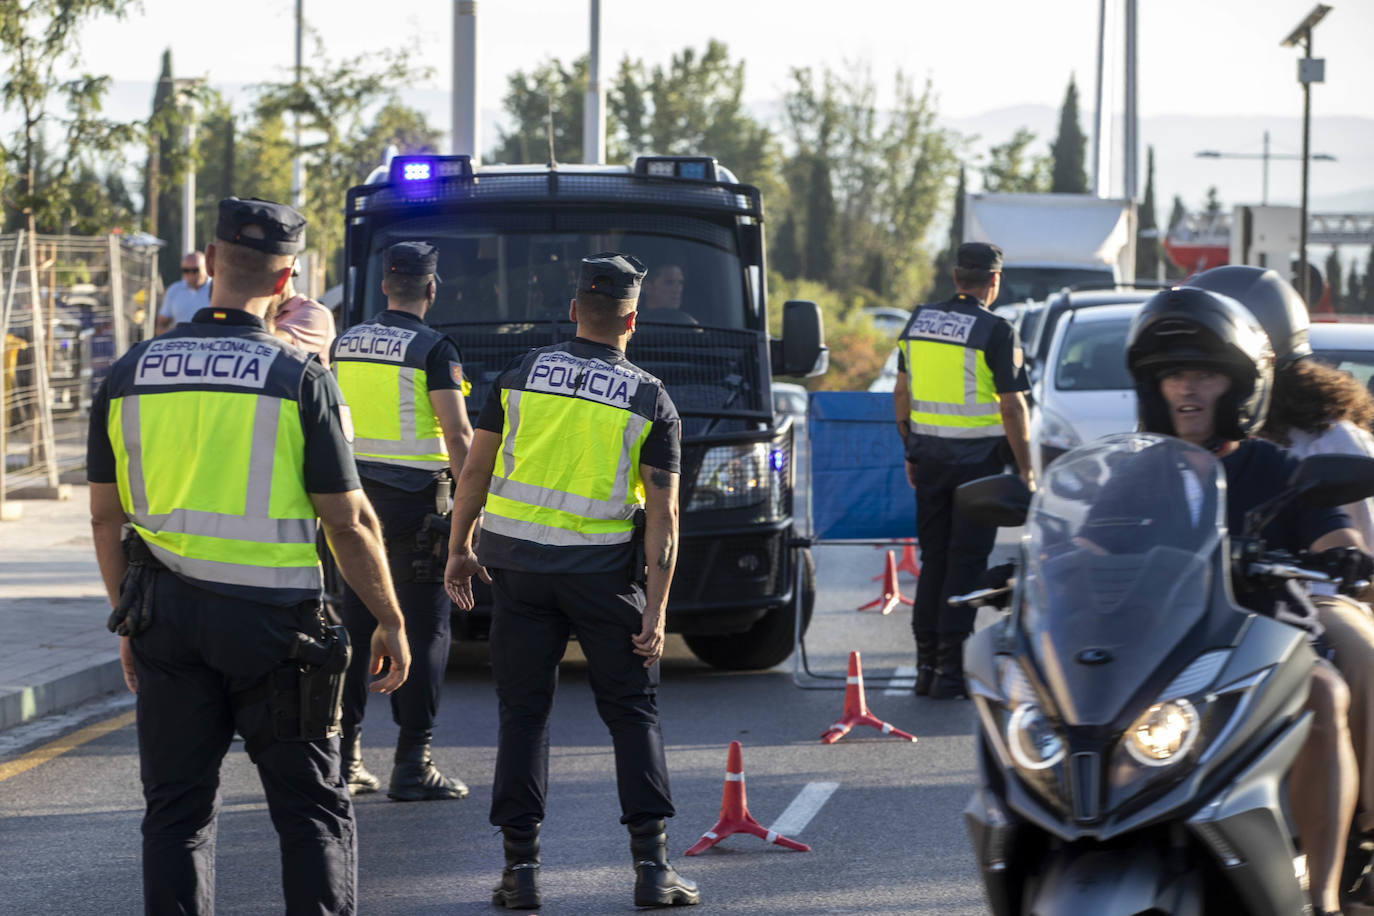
1310 70
1265 156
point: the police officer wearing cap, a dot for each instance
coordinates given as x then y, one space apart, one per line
961 415
573 444
404 383
215 446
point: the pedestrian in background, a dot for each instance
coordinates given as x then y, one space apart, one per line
574 441
302 321
186 296
962 414
217 445
409 450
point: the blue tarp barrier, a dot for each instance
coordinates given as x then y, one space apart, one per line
858 480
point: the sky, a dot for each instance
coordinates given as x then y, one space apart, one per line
1200 58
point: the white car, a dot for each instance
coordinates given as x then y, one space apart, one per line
1346 345
1083 391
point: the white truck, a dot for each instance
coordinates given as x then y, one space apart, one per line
1050 241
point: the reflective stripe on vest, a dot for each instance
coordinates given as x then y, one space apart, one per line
953 394
235 512
400 429
568 471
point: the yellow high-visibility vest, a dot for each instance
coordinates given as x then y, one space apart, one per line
210 457
568 473
380 365
953 394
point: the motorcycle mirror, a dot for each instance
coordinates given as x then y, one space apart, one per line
1001 500
1333 480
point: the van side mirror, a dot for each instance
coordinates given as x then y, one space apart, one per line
802 350
1002 500
1333 480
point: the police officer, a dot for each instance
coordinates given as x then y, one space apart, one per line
217 446
961 415
409 450
571 443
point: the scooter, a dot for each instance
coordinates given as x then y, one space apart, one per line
1136 723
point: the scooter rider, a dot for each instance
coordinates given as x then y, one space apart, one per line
1203 372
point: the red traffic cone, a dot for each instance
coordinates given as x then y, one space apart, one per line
734 812
907 563
856 709
891 590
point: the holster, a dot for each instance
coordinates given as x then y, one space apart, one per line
639 562
431 541
133 613
304 696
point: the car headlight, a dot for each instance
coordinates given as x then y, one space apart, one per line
1163 734
1032 739
1056 432
739 476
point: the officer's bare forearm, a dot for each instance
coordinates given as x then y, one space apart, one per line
470 491
107 526
355 537
452 412
660 535
457 452
1016 425
901 405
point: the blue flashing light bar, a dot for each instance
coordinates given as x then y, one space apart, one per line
692 168
417 172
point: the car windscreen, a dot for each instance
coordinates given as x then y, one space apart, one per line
496 274
1092 357
1359 363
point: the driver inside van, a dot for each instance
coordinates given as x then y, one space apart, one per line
660 295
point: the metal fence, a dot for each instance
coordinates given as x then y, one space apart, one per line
69 306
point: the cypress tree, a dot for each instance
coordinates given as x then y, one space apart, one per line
819 251
1147 236
1333 279
1367 286
942 286
1069 176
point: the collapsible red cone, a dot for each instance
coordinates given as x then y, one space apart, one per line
734 812
856 709
892 592
907 563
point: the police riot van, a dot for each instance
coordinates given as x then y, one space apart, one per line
511 239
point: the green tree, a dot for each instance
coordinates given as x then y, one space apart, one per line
1147 248
263 153
39 42
1367 286
336 102
1354 294
1212 205
1013 168
1067 152
549 93
943 282
1332 273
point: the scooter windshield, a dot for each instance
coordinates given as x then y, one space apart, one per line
1119 563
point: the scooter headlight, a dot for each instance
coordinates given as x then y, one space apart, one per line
1163 734
1032 739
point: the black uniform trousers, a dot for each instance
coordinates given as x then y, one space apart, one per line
424 605
533 615
201 650
954 550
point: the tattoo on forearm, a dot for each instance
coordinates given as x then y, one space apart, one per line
661 478
665 558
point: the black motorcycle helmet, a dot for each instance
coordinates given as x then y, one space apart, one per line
1271 299
1196 328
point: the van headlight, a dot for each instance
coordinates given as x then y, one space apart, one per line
739 476
1163 734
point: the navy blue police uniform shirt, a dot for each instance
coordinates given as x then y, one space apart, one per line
443 372
329 466
662 449
998 341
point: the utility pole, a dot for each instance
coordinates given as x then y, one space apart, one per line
1310 70
593 123
1130 141
1265 156
298 162
1098 189
464 100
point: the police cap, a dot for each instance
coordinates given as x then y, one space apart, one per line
280 226
978 256
611 274
418 259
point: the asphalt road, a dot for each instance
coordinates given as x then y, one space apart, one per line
888 837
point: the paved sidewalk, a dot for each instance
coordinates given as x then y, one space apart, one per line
54 649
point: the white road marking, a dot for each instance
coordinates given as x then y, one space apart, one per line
903 679
804 807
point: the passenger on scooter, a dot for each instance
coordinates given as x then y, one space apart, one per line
1203 371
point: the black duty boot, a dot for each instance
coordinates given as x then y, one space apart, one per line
925 663
415 778
519 887
356 776
949 683
656 883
